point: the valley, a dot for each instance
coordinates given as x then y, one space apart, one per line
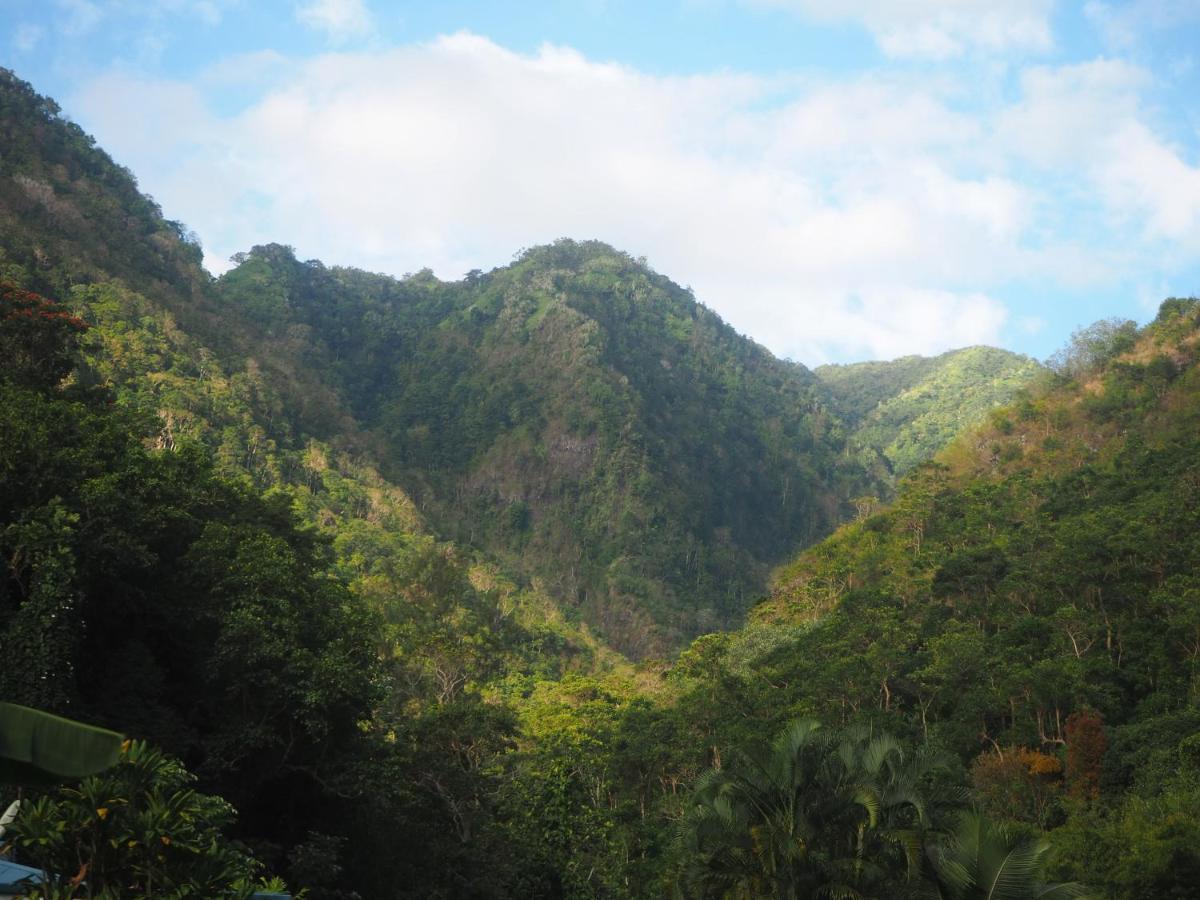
484 588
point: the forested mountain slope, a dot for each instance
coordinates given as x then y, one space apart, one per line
216 510
209 370
1030 601
910 408
206 474
1054 541
575 415
580 417
198 551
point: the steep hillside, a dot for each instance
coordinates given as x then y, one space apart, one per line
910 408
580 417
74 226
1030 601
621 452
235 451
1068 516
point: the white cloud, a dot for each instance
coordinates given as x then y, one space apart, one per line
868 217
1124 24
1065 111
26 37
339 19
939 29
1146 178
948 319
1088 117
78 16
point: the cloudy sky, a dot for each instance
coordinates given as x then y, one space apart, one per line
839 180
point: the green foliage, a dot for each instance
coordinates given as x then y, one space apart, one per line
140 829
441 636
982 860
910 408
580 418
1093 346
168 603
854 814
1140 846
819 813
36 746
562 803
423 822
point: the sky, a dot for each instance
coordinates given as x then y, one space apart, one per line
840 181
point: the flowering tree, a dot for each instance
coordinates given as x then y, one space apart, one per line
38 338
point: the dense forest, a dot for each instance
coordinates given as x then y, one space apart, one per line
580 419
909 408
414 588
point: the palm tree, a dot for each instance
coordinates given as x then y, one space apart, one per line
982 860
818 814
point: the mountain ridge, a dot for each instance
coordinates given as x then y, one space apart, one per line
574 415
909 408
226 506
571 401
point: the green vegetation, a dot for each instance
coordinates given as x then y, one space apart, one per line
581 419
137 830
36 745
851 814
910 408
576 417
816 814
1028 603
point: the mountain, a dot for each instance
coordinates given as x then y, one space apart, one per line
575 417
200 551
1057 539
242 492
343 543
208 371
579 417
910 408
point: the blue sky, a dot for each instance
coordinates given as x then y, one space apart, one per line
840 181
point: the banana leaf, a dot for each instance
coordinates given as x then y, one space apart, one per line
40 748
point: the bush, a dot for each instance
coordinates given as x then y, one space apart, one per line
137 830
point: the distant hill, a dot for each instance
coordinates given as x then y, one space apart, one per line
390 530
579 421
909 408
